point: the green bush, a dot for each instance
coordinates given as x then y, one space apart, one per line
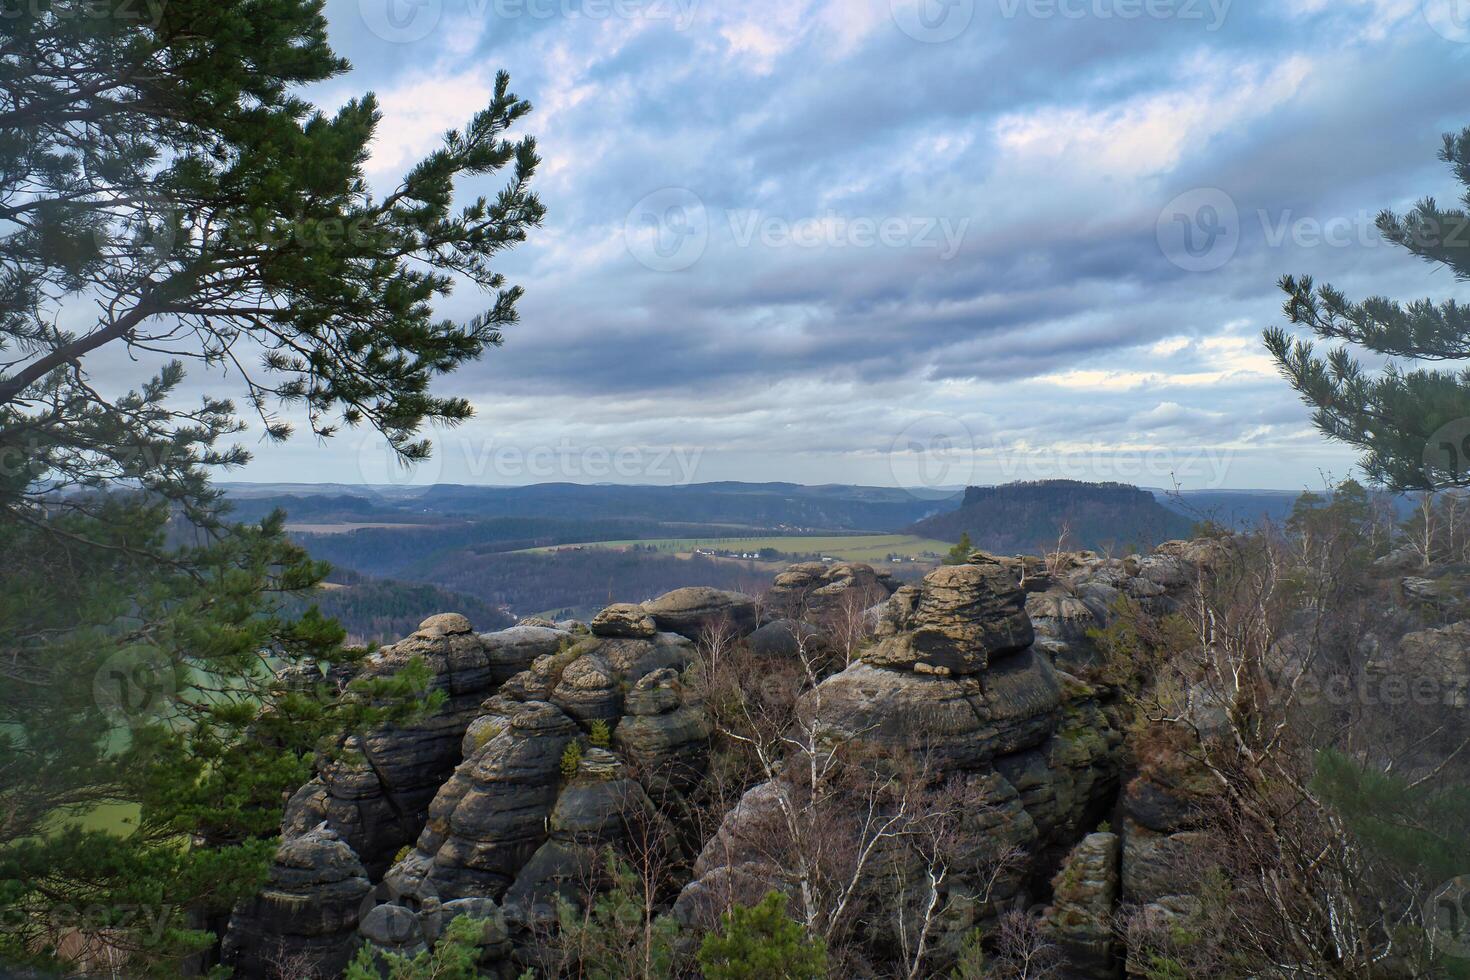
571 758
600 736
453 957
762 942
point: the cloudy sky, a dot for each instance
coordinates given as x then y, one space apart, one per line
913 241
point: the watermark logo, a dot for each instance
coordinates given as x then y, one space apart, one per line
832 230
134 686
932 21
933 452
401 21
1211 12
379 464
1447 454
1199 231
1447 917
1450 19
668 230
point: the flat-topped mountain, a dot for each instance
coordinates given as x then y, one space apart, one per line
1038 517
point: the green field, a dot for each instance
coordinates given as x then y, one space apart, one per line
852 547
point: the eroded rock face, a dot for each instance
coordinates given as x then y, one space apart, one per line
693 611
1426 667
307 913
823 591
376 798
954 680
512 824
1080 917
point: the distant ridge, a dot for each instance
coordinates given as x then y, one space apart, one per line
1033 517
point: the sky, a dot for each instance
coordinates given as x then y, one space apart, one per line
911 242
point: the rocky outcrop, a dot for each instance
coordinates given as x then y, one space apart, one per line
693 611
624 619
824 591
955 622
954 685
1080 918
304 919
1426 668
409 931
525 817
376 796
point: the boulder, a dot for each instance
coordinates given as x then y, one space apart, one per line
691 612
1065 620
956 620
624 619
959 722
510 651
787 638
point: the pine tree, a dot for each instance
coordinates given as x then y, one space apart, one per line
1412 425
762 942
961 552
164 190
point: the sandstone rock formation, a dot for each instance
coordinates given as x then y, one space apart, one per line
307 914
692 611
954 679
822 591
512 825
1080 918
377 796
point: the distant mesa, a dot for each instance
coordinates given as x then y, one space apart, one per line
1041 517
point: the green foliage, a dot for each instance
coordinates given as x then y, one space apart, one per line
970 963
599 736
453 957
1419 831
1392 415
571 759
617 936
762 942
961 552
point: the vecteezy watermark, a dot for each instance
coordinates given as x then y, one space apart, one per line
1449 19
134 686
1211 13
1376 689
401 21
933 452
932 21
94 920
834 230
668 230
124 11
490 462
1202 229
1447 917
1447 454
1199 231
407 21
